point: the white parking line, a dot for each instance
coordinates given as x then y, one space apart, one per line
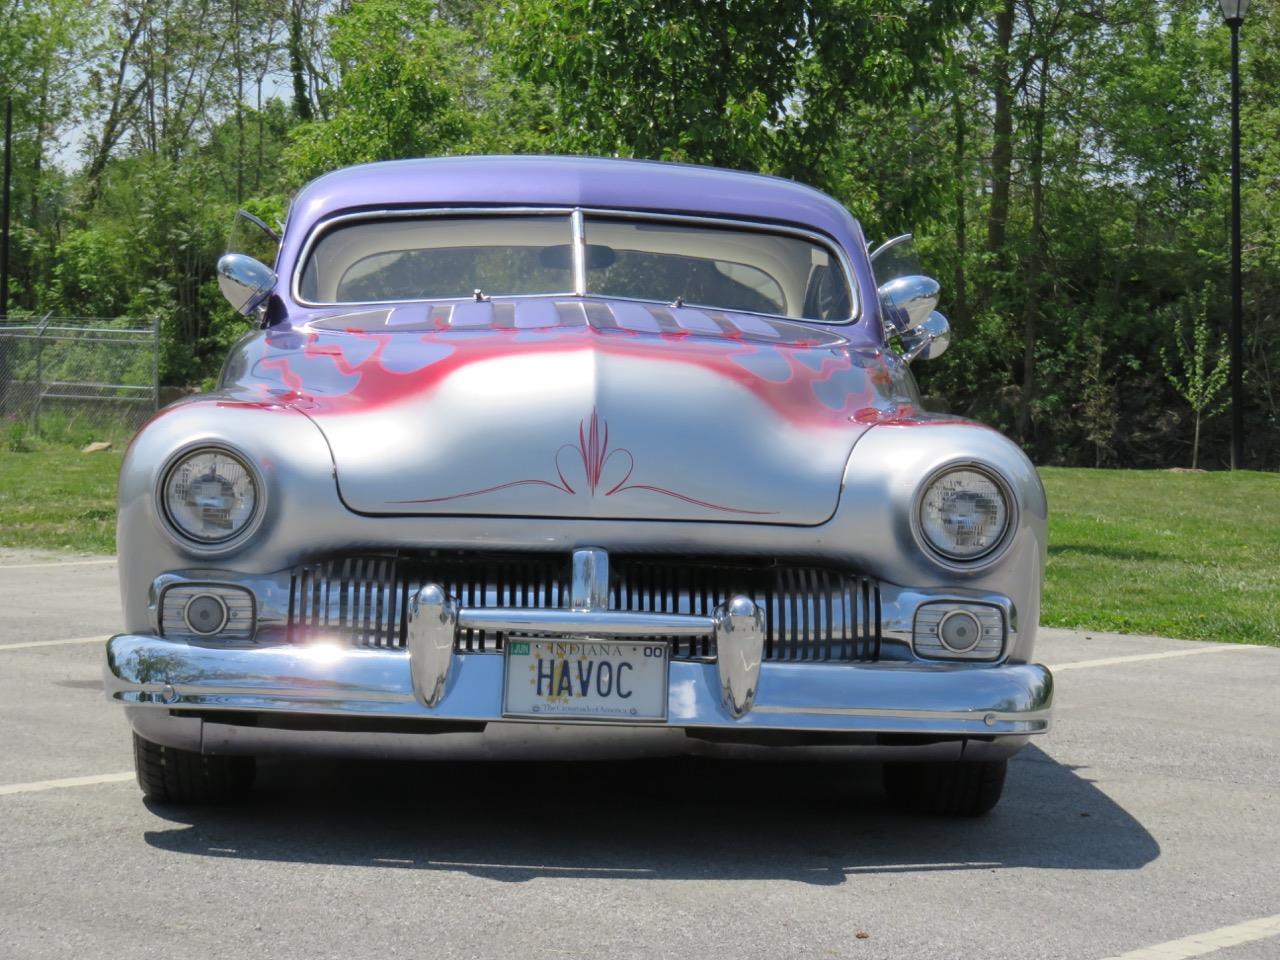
55 563
36 786
1168 654
1199 944
28 644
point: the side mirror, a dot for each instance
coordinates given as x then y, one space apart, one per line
907 302
929 339
244 281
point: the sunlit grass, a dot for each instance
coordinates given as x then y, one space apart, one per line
1190 555
54 497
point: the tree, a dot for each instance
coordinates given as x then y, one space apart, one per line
755 85
1061 162
404 79
43 45
1201 377
1098 409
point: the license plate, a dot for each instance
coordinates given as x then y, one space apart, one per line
586 679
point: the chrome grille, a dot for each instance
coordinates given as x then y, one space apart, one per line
812 613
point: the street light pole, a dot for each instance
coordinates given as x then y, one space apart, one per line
1233 12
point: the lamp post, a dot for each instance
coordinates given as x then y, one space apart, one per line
1233 12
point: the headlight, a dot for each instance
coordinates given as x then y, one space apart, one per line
210 495
964 513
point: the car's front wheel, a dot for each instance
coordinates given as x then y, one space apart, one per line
951 789
170 775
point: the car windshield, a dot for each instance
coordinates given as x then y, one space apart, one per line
448 257
733 269
424 258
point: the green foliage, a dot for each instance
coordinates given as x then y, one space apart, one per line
757 85
16 437
1115 119
92 272
404 77
1199 383
1099 415
74 426
664 81
1201 378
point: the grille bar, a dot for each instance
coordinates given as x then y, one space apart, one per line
812 613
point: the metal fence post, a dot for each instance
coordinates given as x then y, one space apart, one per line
6 364
155 364
35 407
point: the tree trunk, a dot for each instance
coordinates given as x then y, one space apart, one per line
301 99
37 267
113 126
37 163
1035 263
1002 145
237 52
960 304
1195 444
257 168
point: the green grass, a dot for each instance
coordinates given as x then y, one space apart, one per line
1189 555
54 497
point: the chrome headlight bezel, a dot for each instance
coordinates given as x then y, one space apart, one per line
237 537
938 553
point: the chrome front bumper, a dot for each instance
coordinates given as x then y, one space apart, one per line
158 674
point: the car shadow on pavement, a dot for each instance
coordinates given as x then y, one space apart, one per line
688 817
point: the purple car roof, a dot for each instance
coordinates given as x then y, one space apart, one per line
570 182
573 182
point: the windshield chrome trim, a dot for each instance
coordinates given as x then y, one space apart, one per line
577 218
579 224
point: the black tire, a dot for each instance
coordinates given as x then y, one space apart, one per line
170 775
948 789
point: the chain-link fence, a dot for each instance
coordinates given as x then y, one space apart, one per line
90 373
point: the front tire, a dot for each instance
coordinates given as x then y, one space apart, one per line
170 775
949 789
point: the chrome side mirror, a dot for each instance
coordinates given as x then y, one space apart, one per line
929 339
907 302
244 281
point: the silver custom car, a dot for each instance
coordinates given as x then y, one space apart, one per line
582 452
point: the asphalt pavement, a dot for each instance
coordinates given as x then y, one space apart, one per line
1145 825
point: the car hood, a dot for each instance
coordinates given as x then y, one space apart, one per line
578 408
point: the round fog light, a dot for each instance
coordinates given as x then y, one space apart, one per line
960 631
205 614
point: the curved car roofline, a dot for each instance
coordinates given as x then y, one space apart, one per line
644 186
522 158
573 181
